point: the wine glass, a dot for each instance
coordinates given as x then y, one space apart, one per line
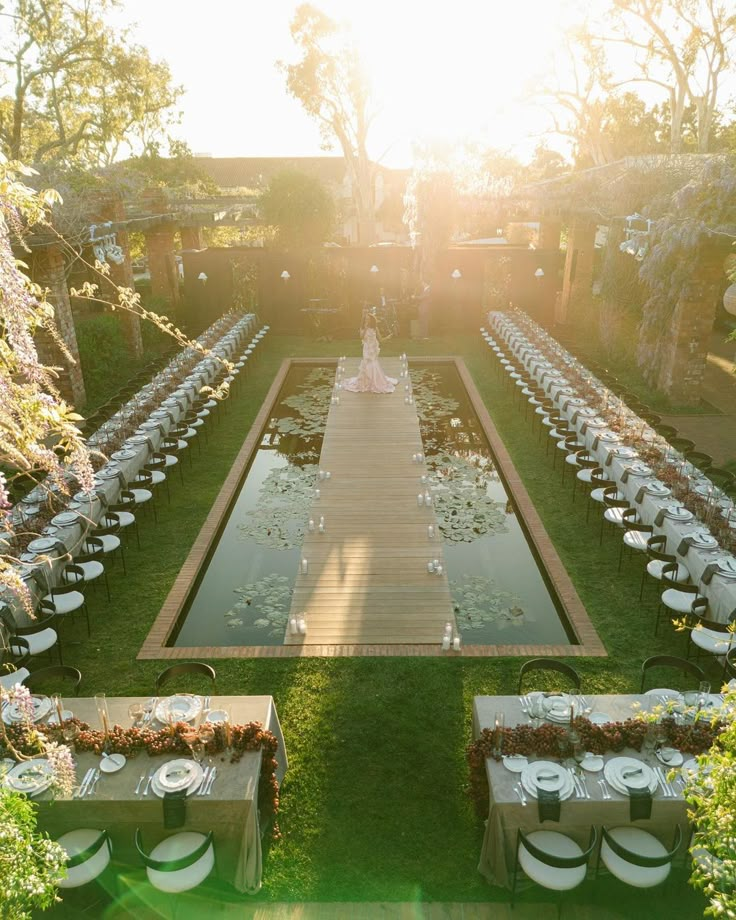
703 691
136 711
197 748
70 732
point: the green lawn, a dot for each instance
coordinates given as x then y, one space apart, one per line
374 807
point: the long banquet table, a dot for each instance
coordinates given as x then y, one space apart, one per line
111 480
230 811
721 587
577 815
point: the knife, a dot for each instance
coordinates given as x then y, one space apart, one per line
203 781
211 781
83 785
93 784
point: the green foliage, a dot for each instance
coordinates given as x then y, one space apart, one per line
713 795
300 208
76 88
701 213
30 863
106 362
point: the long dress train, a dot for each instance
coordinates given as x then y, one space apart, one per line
371 378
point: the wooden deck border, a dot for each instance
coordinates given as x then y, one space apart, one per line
590 644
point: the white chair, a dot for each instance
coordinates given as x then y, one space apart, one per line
88 854
552 860
636 857
180 862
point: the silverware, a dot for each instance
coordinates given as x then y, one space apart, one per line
521 799
585 786
524 703
211 781
140 783
93 783
203 781
520 790
149 781
579 794
83 785
667 785
604 789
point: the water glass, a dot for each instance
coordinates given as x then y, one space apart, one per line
703 691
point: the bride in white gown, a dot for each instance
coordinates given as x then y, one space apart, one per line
371 378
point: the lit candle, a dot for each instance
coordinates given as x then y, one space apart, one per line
293 627
305 566
328 474
321 520
445 643
311 525
456 643
420 499
438 569
423 479
430 567
427 498
448 628
430 531
302 626
317 494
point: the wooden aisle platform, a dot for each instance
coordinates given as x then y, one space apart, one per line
367 581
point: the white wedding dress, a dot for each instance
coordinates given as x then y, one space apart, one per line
371 378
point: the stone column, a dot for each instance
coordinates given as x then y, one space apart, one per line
687 337
192 238
578 278
50 272
160 249
121 275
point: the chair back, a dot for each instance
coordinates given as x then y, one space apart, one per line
631 522
730 662
143 478
172 865
598 479
636 859
669 578
92 551
720 477
699 459
186 667
56 672
611 501
156 462
73 580
548 664
125 502
112 525
670 661
697 619
559 862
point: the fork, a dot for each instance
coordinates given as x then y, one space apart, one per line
519 789
604 789
149 781
581 780
524 703
141 780
203 783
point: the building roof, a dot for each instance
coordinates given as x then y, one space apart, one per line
256 172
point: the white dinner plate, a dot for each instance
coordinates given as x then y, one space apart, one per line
593 763
31 776
701 538
65 519
516 763
639 469
182 707
124 454
623 772
657 488
41 545
108 474
112 763
136 439
670 757
86 498
664 693
727 566
557 707
678 513
169 779
13 713
556 779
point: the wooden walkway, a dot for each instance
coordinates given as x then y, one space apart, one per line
367 581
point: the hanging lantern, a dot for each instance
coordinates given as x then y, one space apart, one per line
729 300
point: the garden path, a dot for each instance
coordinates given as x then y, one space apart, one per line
367 581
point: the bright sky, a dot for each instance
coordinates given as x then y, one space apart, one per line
444 70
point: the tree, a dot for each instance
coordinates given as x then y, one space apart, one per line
330 83
685 47
299 207
72 87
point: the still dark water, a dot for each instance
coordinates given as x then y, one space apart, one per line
244 595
